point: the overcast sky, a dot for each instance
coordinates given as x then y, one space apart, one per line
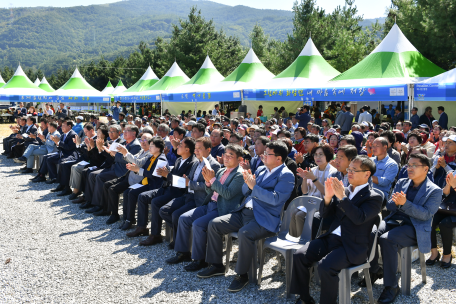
368 8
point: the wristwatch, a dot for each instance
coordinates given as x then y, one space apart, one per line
315 180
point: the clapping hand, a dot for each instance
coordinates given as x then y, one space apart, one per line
451 180
100 144
338 188
329 191
441 162
306 174
41 136
166 150
399 198
220 159
133 167
163 171
122 150
55 139
208 174
77 140
245 164
174 141
18 136
249 179
299 157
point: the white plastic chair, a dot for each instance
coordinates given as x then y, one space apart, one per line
406 268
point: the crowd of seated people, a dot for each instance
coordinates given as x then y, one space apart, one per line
206 177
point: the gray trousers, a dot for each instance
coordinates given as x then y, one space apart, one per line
195 221
297 220
76 175
249 231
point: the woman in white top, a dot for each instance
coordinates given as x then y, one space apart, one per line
313 183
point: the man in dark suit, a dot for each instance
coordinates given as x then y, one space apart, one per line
13 138
346 121
196 195
258 217
413 203
223 189
98 178
347 241
63 176
443 119
21 111
25 139
62 112
303 116
158 198
65 148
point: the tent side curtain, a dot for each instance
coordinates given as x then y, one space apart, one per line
176 108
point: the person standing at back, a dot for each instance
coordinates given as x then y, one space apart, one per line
346 121
303 116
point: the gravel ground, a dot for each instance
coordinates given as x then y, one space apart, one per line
52 252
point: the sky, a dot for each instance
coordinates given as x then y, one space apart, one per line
368 8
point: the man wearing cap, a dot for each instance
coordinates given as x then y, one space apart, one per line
116 110
443 120
79 126
189 127
109 117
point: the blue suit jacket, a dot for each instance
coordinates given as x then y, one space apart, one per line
269 196
253 163
120 164
443 120
66 145
303 119
421 210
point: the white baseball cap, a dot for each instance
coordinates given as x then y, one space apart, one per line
80 117
452 137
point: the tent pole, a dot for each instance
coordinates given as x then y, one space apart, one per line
134 108
242 97
161 105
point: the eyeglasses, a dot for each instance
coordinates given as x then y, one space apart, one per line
411 166
355 171
266 154
143 140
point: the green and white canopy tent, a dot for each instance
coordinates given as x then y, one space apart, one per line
384 75
78 90
2 82
308 70
180 98
21 88
46 86
108 89
37 82
146 81
120 88
174 78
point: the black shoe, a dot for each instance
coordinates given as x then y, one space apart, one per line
112 219
27 170
301 301
171 246
10 156
58 189
373 276
94 209
238 283
51 181
39 179
86 205
179 258
196 265
446 265
388 295
127 225
430 262
65 192
211 271
101 213
74 196
35 177
23 168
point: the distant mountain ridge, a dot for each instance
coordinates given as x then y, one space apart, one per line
50 37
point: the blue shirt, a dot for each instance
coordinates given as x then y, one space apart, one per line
303 119
386 173
217 151
78 127
115 112
390 112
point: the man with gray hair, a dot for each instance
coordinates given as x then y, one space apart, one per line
163 132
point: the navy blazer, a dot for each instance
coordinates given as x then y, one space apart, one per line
421 210
108 159
66 145
179 171
269 196
253 163
199 186
356 218
29 140
120 164
230 194
443 120
154 182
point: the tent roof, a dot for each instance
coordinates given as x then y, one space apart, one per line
78 86
310 67
45 85
119 88
395 60
20 84
37 82
173 78
248 75
146 81
2 82
207 74
447 77
108 89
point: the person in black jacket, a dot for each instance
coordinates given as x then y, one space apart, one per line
347 241
158 198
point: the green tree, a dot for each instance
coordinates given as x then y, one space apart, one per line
266 49
429 25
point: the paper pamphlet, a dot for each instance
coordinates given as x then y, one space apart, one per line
25 135
178 181
114 146
206 163
136 186
83 163
160 164
92 168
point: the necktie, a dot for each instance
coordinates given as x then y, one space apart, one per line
64 137
145 181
